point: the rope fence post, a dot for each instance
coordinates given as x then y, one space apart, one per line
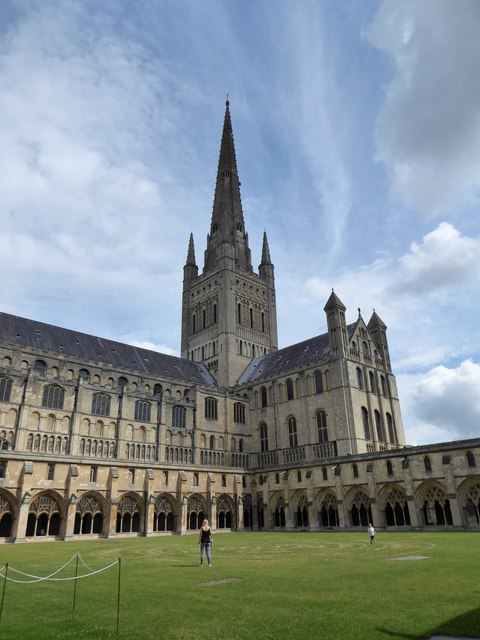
3 590
118 594
75 590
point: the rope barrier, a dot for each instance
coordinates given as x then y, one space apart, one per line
84 563
6 578
49 578
39 578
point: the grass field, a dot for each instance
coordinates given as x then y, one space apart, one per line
261 585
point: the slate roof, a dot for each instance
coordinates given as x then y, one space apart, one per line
298 356
39 335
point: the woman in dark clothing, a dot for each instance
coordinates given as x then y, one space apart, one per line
205 542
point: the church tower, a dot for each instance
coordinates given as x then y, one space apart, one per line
228 311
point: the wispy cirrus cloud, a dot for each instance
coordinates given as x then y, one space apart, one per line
428 131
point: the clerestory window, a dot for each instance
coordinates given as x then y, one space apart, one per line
53 396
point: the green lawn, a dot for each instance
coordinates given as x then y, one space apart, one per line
262 585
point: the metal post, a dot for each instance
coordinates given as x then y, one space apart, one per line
3 590
75 590
118 594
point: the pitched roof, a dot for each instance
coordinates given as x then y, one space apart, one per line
298 356
287 359
39 335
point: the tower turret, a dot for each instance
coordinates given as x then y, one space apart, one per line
378 330
337 328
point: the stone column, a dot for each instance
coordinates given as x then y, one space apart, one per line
110 524
413 511
254 505
69 522
182 502
240 521
457 514
183 514
213 513
150 515
377 522
313 521
148 503
19 529
343 519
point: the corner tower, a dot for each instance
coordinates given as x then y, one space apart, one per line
228 311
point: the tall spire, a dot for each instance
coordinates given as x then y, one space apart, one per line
265 251
227 225
190 270
228 311
191 253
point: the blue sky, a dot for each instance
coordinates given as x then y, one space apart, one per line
357 132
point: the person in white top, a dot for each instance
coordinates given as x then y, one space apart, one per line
371 533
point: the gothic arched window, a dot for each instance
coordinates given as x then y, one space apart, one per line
289 385
322 426
179 417
263 392
366 424
142 411
53 396
292 432
359 378
379 426
239 412
392 436
40 367
373 384
5 389
263 437
211 411
318 382
101 404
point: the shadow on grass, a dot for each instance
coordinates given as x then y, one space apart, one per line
465 626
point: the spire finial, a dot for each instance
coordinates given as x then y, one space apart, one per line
227 102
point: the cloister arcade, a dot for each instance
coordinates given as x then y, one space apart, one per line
48 514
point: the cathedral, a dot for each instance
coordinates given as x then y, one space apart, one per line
104 439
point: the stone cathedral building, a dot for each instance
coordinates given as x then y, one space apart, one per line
102 439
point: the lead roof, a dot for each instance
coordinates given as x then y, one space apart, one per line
39 335
19 331
295 357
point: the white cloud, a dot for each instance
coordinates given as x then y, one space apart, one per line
442 404
161 348
423 296
90 142
444 259
428 132
320 129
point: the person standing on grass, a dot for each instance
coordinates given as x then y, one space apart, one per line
205 541
371 533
